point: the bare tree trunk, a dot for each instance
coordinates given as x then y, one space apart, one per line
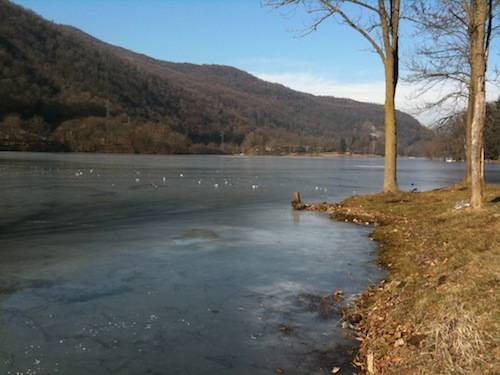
468 139
473 46
477 141
478 75
390 158
482 160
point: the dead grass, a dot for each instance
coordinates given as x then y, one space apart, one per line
457 340
438 311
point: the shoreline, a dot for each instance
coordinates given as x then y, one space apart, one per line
434 313
325 155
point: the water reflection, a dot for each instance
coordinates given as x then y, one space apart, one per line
296 217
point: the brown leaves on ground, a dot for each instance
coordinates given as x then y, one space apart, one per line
438 311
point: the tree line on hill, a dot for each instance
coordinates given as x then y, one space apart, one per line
61 89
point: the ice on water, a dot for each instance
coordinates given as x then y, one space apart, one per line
130 264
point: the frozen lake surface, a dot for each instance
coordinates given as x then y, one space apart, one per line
121 264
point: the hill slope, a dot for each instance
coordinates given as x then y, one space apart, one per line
63 89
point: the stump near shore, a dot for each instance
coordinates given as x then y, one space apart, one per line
297 202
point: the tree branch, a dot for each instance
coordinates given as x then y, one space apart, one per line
337 10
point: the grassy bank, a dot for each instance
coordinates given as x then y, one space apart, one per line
438 310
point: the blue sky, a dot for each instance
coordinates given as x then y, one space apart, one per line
331 61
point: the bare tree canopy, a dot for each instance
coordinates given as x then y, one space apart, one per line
376 20
441 61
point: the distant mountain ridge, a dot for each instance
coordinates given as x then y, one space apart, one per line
62 89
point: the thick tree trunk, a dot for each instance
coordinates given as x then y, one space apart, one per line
477 34
391 143
477 130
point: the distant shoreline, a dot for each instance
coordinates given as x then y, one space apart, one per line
325 155
332 154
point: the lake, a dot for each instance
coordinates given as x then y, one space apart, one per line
129 264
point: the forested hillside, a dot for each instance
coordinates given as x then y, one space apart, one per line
61 89
449 139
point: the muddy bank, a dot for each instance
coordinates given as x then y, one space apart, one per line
437 310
